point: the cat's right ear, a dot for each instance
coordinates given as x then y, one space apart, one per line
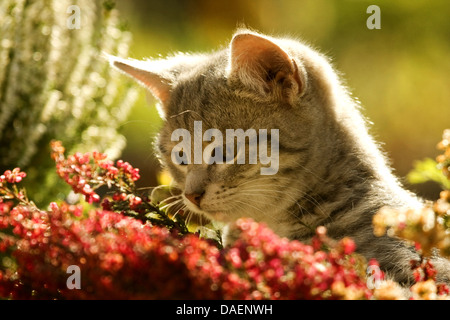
159 86
261 64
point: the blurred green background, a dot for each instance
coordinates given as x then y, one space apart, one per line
400 72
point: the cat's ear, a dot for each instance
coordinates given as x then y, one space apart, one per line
159 86
263 65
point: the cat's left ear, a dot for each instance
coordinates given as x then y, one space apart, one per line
159 86
261 64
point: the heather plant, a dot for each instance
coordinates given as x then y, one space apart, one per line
54 84
427 228
132 248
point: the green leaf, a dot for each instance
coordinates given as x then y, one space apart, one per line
427 170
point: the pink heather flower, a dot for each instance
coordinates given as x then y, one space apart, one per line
348 245
14 176
122 257
85 172
127 168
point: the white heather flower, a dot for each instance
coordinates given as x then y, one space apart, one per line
54 84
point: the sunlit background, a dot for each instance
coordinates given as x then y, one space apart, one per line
400 72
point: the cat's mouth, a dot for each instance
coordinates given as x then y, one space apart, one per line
193 203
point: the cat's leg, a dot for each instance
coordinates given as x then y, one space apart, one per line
442 266
396 258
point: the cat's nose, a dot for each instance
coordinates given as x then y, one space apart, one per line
195 198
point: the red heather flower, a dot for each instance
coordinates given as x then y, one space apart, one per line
265 266
128 169
348 245
85 173
443 289
5 207
122 258
14 176
119 258
430 271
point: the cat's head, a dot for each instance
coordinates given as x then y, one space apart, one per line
257 84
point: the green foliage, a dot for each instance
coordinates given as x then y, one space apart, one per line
54 84
428 170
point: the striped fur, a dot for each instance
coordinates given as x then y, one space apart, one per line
331 172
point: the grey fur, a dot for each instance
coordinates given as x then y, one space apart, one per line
331 171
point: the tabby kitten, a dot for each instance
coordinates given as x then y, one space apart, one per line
331 172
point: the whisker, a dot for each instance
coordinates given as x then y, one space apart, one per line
273 218
282 185
146 188
268 193
302 194
176 208
169 204
170 198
